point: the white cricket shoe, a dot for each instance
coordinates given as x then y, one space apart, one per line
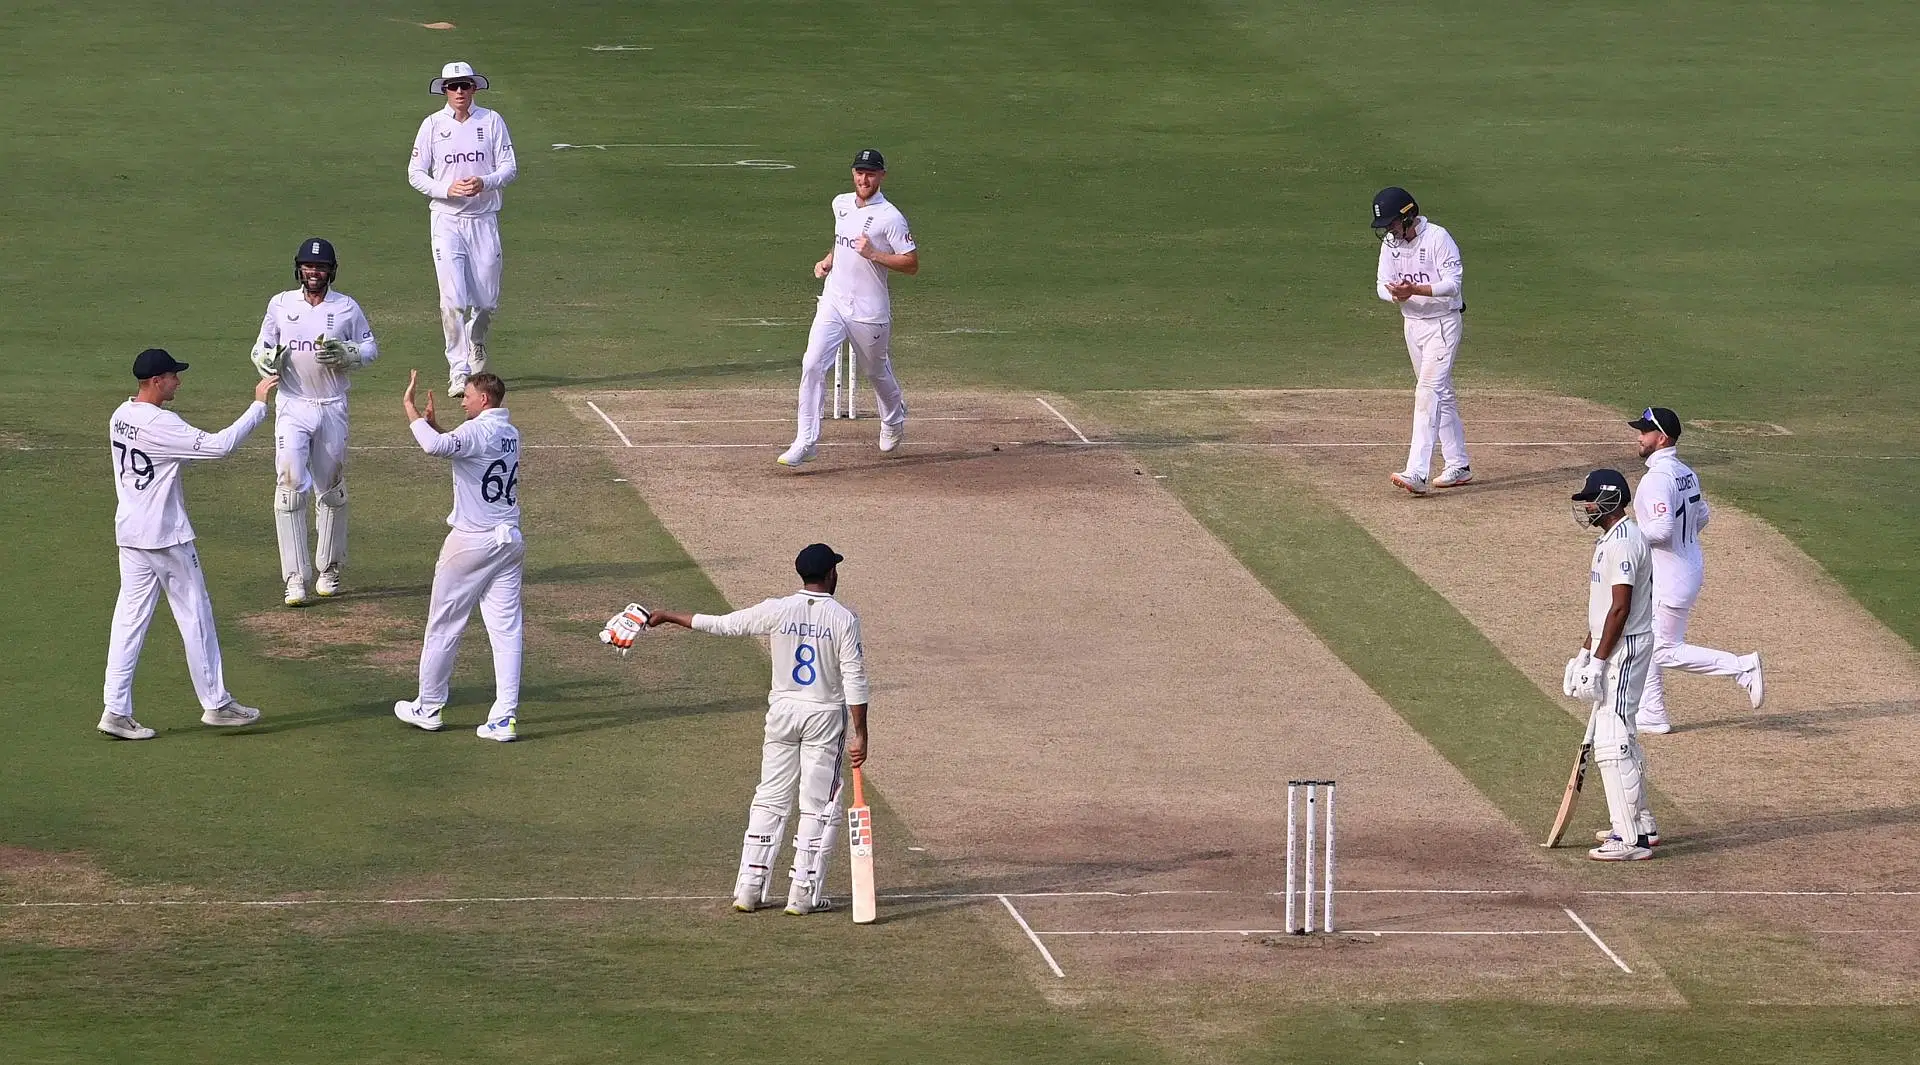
746 896
328 584
1616 850
1755 682
800 452
297 592
1648 726
456 384
1606 834
501 731
413 713
1412 482
1454 477
800 900
234 713
891 435
478 359
123 727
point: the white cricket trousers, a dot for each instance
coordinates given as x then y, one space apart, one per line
476 569
309 465
804 744
1616 739
144 575
830 329
1672 651
467 263
1433 343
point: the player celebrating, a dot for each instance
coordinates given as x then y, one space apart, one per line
482 559
157 556
1672 513
1420 270
462 157
870 237
1612 664
819 680
312 338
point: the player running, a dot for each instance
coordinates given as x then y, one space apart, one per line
1420 269
312 338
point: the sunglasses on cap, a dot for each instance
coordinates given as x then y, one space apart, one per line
459 86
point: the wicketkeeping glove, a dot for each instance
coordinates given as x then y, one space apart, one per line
269 359
338 354
1573 667
624 626
1590 680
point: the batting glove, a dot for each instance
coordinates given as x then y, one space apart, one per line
338 354
269 358
1574 665
624 626
1590 680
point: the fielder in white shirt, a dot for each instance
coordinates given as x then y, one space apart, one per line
819 682
1672 513
148 446
312 338
870 237
482 560
462 158
1612 664
1420 269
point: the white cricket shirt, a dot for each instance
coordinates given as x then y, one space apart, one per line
447 149
1621 557
857 287
1672 512
1431 259
486 469
149 445
299 326
814 643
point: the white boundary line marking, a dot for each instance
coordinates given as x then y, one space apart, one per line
1608 951
1063 420
1341 932
609 421
1034 939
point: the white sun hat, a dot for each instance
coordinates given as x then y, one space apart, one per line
455 71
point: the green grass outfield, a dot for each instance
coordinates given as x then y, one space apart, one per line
1694 205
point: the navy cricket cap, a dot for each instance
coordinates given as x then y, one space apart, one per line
153 362
869 159
1599 482
1391 204
1658 420
816 561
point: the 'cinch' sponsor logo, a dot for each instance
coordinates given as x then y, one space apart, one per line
464 157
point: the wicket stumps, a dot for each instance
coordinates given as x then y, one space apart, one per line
1311 789
845 354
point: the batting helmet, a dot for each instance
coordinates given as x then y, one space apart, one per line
1604 495
315 251
1392 204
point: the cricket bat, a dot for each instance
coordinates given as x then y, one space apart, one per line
860 849
1574 780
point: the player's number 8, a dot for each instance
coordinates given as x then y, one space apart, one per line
136 460
804 672
501 482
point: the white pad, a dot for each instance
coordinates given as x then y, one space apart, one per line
290 527
1625 788
812 847
761 848
331 519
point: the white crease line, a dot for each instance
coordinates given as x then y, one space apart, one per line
1063 419
788 420
1866 931
1608 951
609 421
1727 891
1282 932
288 903
1035 940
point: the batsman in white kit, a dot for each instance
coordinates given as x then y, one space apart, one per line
312 338
1672 513
1420 269
462 158
870 237
482 560
148 446
816 716
1611 667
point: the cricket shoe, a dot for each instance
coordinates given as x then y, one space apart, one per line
747 896
478 360
1650 727
328 584
1617 850
123 727
501 731
231 715
1755 682
297 592
891 435
800 452
1412 482
413 713
801 901
456 384
1606 835
1454 477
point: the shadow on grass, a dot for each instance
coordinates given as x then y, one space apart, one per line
1809 724
1752 834
579 572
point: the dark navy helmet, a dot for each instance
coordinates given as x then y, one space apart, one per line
1393 204
315 251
